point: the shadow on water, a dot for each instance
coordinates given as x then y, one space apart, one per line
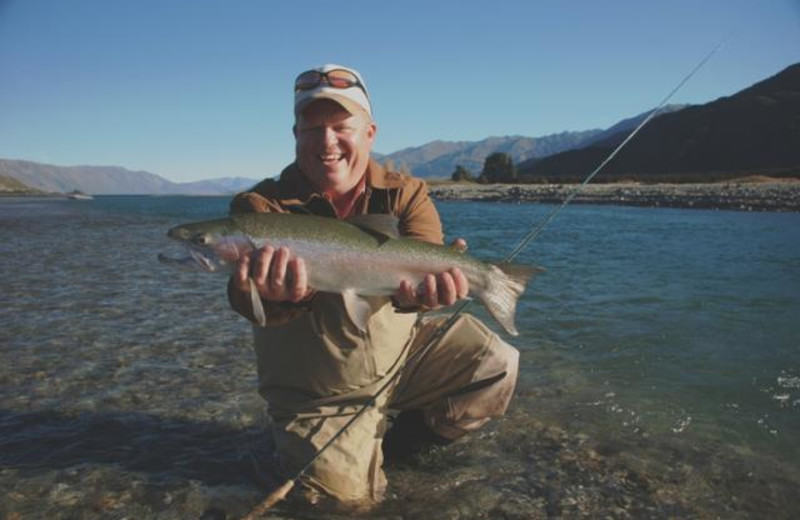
91 465
157 447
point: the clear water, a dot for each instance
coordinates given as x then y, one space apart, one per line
660 371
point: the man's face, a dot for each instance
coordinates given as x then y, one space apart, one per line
333 146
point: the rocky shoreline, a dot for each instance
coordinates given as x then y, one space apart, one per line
740 196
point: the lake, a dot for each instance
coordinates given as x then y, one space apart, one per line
660 370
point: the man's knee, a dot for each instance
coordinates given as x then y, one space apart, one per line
349 470
502 359
486 396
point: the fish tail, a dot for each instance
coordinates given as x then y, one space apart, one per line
506 282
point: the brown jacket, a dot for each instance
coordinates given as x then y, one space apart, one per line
311 358
400 195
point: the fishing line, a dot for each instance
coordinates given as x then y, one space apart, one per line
281 492
535 232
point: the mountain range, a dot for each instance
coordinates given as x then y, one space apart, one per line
106 180
440 158
434 159
753 132
11 186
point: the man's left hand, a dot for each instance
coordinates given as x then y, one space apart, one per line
435 290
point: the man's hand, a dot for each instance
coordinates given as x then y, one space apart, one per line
436 290
276 277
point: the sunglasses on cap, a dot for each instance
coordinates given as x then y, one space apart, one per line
336 78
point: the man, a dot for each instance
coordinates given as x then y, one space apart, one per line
315 366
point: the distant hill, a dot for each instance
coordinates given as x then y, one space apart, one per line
11 186
107 180
440 158
755 131
627 125
220 186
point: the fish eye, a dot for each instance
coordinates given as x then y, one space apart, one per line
201 239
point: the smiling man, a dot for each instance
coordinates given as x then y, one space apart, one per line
333 149
316 367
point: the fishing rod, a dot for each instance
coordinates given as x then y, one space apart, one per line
283 490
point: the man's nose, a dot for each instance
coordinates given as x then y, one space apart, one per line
329 136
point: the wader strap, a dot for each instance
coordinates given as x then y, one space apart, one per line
382 201
318 206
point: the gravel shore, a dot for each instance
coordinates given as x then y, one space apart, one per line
740 196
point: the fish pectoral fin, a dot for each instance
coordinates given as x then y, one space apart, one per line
258 306
358 308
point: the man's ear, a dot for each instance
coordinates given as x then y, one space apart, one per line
372 130
294 129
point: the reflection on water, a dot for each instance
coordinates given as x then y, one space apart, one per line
660 372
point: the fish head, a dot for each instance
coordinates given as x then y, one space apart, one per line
212 246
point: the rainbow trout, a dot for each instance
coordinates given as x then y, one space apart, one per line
362 256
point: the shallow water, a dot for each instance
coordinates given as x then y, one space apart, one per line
660 371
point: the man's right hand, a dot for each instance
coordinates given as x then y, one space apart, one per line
278 277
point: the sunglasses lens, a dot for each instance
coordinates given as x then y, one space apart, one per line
307 80
342 79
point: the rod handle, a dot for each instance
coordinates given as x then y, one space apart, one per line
273 498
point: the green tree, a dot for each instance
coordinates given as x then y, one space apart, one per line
461 174
499 167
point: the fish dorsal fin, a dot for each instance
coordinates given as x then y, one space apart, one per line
381 226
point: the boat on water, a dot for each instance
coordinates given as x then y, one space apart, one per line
79 195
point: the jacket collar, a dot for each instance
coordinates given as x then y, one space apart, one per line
379 177
293 185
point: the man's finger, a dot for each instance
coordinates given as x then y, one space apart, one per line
277 272
242 270
430 297
406 295
261 264
299 285
461 283
446 288
460 244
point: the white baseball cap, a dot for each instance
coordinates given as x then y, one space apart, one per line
341 84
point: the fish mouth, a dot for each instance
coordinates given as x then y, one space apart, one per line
200 247
194 262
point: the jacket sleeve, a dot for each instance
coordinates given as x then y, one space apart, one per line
417 214
277 313
418 219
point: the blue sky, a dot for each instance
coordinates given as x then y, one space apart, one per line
194 89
